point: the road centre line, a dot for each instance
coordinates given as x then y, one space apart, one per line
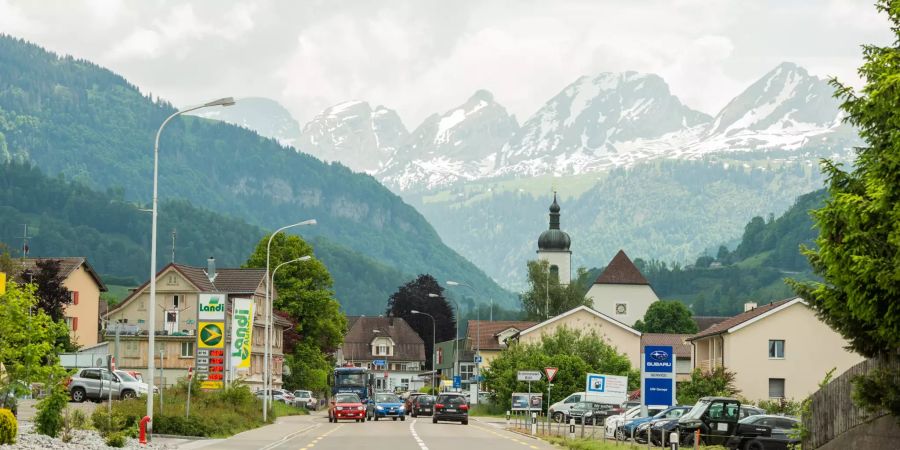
320 437
412 430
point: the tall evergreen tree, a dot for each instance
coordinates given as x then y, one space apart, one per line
858 247
414 296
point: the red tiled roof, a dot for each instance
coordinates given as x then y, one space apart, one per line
704 322
723 326
489 330
67 265
677 341
621 271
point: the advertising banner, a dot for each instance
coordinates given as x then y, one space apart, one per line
523 401
211 307
606 388
658 376
241 332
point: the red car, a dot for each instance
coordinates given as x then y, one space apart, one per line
345 407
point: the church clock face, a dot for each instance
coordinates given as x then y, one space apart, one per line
621 308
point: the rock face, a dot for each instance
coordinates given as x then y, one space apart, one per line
262 115
354 134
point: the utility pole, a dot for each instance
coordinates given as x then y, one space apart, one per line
25 241
173 245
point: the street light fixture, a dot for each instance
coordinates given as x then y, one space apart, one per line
267 348
433 334
478 332
455 338
151 312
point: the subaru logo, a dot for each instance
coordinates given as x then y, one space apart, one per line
659 355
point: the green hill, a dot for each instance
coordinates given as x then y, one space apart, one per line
769 252
75 118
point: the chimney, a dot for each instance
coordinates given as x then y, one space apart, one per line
749 306
211 269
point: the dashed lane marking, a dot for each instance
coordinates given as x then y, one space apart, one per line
412 430
320 437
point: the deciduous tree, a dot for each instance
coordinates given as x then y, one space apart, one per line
52 296
544 288
667 316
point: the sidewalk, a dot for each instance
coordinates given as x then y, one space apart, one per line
261 438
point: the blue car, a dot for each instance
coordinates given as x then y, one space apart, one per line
632 427
386 405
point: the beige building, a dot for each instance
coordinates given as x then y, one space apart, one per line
779 350
625 339
85 286
488 337
621 292
178 288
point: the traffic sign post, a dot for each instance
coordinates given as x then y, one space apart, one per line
551 373
457 382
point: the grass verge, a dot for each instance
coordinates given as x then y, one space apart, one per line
589 444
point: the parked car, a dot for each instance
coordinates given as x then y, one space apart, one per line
451 407
305 399
385 404
598 412
640 428
410 399
130 383
614 424
717 420
783 432
279 395
559 410
346 406
423 405
98 384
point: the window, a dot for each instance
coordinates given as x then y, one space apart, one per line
621 309
171 280
187 349
171 322
72 323
776 387
776 349
176 300
554 273
131 349
90 374
381 350
142 306
466 371
74 297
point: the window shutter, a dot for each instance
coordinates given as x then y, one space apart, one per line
74 324
74 297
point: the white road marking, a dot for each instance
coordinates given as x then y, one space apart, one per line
412 430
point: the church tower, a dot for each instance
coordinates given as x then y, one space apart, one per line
553 247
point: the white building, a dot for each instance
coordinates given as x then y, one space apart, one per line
621 292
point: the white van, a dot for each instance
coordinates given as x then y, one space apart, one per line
560 409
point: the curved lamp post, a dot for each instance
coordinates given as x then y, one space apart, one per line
478 331
151 311
267 349
455 338
433 334
270 333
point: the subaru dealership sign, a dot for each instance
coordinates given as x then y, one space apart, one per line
658 376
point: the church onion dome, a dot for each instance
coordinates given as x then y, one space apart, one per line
554 238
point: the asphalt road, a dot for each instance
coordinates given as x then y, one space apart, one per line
412 434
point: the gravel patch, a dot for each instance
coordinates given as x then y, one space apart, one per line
27 439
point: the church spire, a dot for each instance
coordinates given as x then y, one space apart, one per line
554 214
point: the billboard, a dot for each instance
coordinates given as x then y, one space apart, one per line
210 354
523 401
241 332
606 388
211 307
658 376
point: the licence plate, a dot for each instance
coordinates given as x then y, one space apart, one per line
451 410
427 410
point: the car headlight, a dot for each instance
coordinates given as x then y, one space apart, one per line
402 408
361 408
643 426
379 408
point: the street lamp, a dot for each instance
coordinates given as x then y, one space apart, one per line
151 311
433 333
267 347
455 338
271 329
478 332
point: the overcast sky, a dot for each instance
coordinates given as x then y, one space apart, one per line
421 57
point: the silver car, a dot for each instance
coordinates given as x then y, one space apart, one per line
97 384
305 399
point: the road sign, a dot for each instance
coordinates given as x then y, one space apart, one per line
528 375
379 363
457 381
551 372
478 359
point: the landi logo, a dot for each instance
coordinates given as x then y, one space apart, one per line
213 306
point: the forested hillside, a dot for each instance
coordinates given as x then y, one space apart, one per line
719 284
66 218
74 118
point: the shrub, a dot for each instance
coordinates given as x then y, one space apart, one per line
49 417
116 439
8 427
79 419
105 424
781 406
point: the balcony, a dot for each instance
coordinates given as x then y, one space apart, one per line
707 364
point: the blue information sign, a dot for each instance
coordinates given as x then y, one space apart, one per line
379 363
478 359
658 376
457 382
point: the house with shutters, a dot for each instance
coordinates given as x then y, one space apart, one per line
84 285
178 290
777 350
389 347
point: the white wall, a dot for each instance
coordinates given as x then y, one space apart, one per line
561 259
636 297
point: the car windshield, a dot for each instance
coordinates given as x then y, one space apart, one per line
346 398
425 399
452 399
350 379
387 398
301 394
697 410
124 376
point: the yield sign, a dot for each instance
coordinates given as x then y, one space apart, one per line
551 372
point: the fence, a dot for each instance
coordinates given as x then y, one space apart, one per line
544 426
832 411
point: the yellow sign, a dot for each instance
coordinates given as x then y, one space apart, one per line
211 385
2 283
210 335
241 332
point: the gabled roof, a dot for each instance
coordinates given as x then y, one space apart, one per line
227 281
677 341
570 312
67 265
408 346
704 322
488 331
739 321
621 271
